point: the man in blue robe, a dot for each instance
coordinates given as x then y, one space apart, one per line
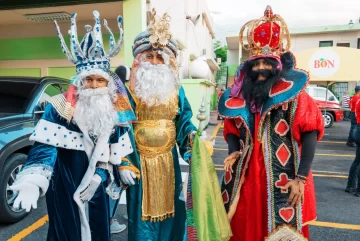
79 141
155 209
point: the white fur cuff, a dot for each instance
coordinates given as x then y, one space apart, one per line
52 134
120 149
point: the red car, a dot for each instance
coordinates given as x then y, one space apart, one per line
331 108
331 112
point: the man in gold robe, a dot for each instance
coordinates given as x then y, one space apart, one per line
152 173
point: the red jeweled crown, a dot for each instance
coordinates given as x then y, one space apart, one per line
265 35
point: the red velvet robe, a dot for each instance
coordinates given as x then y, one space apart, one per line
249 222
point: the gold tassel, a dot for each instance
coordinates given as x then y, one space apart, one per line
159 218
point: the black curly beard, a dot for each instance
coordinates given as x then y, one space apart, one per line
258 90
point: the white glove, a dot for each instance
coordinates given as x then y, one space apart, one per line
203 135
28 195
89 192
127 177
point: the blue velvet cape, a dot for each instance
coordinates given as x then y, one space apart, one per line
59 150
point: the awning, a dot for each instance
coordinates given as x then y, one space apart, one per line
333 64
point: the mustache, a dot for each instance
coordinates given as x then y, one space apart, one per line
94 92
264 72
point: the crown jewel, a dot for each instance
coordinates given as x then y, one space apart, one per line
90 52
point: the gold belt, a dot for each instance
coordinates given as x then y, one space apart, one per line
155 137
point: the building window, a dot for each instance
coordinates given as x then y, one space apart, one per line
343 45
320 93
325 44
358 46
340 88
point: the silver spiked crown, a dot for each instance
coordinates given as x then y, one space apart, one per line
90 53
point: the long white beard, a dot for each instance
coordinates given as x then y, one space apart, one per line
95 111
154 84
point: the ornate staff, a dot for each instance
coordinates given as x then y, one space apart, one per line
201 116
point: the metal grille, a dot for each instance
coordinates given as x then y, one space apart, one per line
340 89
221 75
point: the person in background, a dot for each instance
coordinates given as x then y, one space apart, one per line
353 184
346 105
123 72
115 227
353 102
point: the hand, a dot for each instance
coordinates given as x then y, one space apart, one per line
230 160
127 177
27 197
89 192
297 192
203 135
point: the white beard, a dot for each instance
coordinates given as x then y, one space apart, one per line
95 111
154 84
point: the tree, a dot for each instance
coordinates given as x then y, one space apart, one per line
220 51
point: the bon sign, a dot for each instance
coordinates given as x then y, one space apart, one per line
324 63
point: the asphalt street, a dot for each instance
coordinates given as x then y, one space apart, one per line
338 212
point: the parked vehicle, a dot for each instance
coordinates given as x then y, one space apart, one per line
330 108
22 101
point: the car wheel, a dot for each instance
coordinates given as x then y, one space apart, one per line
13 165
328 119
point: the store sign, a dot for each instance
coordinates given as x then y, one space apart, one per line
324 63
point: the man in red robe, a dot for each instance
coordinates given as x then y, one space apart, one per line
272 126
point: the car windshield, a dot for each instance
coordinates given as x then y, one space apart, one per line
15 96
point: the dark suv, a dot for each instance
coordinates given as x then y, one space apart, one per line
22 101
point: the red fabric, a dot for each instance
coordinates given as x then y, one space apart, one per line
235 102
353 102
309 205
70 95
305 231
267 34
357 112
250 220
230 128
280 86
308 117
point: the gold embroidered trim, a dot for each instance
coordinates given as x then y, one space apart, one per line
155 137
286 232
63 108
130 168
158 179
127 85
158 219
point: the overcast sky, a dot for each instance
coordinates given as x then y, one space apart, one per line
297 13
